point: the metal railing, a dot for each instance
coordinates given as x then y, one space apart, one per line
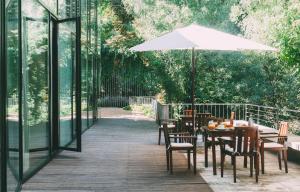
263 115
145 100
216 109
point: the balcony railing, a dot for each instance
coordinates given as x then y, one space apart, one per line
263 115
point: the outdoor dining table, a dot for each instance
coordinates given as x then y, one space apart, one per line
224 132
213 133
168 121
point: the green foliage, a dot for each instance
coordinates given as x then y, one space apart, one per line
246 77
145 109
127 108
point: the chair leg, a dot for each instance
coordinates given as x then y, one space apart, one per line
189 159
159 135
256 162
168 160
171 162
284 153
245 161
206 152
195 160
262 158
279 160
234 169
222 163
251 166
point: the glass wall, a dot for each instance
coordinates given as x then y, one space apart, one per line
89 54
67 86
35 95
1 92
50 82
13 93
84 56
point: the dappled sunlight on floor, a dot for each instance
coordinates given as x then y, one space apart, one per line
274 180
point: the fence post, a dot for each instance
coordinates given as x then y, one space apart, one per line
258 110
246 111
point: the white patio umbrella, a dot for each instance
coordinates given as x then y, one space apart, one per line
196 37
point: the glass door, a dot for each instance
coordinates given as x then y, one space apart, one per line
35 83
68 50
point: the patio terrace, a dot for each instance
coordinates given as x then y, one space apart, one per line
121 154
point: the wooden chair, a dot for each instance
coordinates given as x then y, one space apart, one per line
186 124
207 138
232 116
171 124
245 142
278 146
189 112
186 142
202 120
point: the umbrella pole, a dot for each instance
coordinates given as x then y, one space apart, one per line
193 89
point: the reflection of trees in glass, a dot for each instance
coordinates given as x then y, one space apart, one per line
67 8
66 60
12 59
52 4
35 63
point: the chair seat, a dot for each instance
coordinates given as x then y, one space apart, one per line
169 126
273 145
230 151
179 145
216 140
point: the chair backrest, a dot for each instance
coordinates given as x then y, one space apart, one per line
166 134
246 139
186 124
232 115
202 119
189 112
282 132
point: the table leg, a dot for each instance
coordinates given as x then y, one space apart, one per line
262 155
205 150
214 154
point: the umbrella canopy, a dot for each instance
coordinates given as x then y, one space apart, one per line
196 37
199 37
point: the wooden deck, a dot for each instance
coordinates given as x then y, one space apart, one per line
119 154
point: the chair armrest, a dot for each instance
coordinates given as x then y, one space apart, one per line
272 136
192 139
268 133
180 133
184 137
225 141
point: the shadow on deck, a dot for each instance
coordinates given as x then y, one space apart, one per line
119 154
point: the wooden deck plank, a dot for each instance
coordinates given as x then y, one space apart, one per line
119 154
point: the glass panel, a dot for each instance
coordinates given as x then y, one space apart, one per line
1 128
84 54
35 101
66 63
90 89
84 88
67 8
93 24
51 4
13 90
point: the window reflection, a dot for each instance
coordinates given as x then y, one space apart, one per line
13 89
51 4
66 62
68 8
35 96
